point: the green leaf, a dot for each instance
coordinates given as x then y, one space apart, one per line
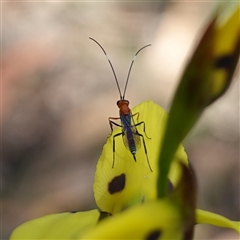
206 77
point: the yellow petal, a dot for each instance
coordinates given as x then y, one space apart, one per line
228 29
169 218
133 181
152 220
206 217
57 226
226 48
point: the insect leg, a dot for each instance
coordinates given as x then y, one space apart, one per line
139 123
136 114
143 128
116 135
145 149
111 123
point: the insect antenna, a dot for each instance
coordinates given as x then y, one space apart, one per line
131 68
110 65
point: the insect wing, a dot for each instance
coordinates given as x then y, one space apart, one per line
131 139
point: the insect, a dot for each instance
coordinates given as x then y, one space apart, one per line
130 134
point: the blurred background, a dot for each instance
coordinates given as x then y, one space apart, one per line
58 92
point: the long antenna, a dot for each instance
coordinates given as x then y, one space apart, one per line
131 68
110 65
121 96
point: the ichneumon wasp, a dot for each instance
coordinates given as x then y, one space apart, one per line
130 134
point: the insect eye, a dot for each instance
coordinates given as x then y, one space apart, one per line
118 102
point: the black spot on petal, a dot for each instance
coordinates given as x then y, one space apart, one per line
117 184
224 62
154 235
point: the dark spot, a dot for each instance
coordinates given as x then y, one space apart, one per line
170 186
74 211
117 184
154 235
224 62
103 215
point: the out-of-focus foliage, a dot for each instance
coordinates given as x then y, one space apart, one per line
206 77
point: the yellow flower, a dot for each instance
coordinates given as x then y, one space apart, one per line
137 197
130 182
168 218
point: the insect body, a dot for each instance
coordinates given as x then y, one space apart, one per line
130 134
